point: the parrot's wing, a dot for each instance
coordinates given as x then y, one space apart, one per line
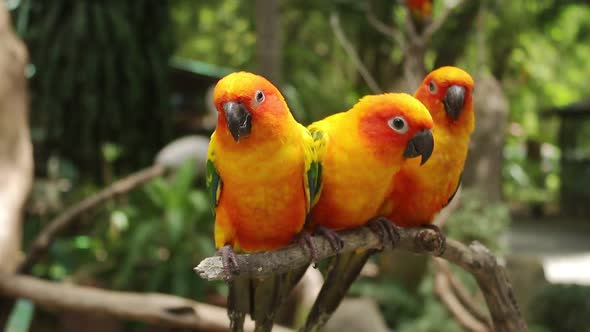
312 173
319 143
456 189
213 179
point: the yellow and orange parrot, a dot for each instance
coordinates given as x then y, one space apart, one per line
421 9
262 176
421 192
359 152
418 192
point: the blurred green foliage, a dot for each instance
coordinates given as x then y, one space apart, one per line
148 241
563 308
99 98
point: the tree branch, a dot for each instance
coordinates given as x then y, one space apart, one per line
433 27
445 293
458 301
386 30
122 186
475 259
349 49
156 309
16 152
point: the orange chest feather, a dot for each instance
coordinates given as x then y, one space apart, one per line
262 203
355 182
420 192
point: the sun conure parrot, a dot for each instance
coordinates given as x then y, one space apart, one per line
359 152
419 192
421 9
262 177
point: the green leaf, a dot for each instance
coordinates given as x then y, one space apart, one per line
21 316
183 179
137 249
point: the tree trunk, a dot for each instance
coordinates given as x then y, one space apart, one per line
268 40
483 168
16 161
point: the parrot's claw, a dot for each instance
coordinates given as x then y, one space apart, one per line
230 263
305 241
386 231
436 244
333 237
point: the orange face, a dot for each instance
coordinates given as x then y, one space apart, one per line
396 121
247 104
446 92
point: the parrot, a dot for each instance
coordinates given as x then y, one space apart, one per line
420 8
417 192
422 191
262 175
359 152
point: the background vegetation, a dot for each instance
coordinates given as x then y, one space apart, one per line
101 108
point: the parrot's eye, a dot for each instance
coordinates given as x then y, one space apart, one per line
259 97
398 124
432 87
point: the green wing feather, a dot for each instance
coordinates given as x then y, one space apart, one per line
212 178
312 174
318 144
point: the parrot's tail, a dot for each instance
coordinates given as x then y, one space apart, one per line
270 294
262 298
342 272
238 302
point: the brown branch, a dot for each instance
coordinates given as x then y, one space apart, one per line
16 152
159 309
352 54
435 25
461 293
475 259
411 27
383 28
122 186
444 291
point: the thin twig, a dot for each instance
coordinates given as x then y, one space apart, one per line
435 25
383 28
158 309
461 293
349 49
443 290
448 278
70 215
411 27
475 258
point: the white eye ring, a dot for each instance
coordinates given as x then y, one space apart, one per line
432 87
398 124
259 97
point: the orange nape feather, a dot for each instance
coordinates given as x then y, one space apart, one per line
420 192
360 151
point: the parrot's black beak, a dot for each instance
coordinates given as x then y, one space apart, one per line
454 99
239 120
421 144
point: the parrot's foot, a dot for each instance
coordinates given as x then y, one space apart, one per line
434 242
333 237
386 231
230 263
305 241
